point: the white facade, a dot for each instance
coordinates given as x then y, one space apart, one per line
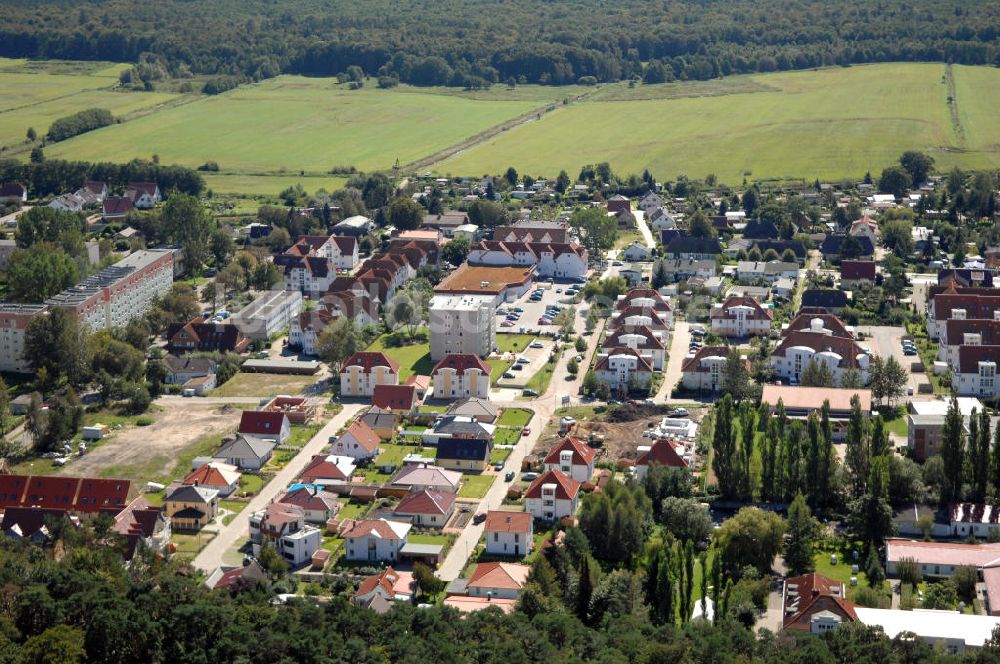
707 375
650 202
581 472
269 314
740 321
797 358
620 370
981 383
548 507
14 319
355 381
637 251
373 547
462 324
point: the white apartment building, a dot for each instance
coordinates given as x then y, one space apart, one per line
462 324
620 368
798 349
740 317
269 314
361 372
703 370
976 375
14 319
460 375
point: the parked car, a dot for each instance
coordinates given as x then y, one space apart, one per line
517 367
479 518
536 344
678 412
529 477
507 323
508 374
509 476
529 393
498 466
525 431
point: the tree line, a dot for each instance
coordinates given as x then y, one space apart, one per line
456 43
50 177
79 123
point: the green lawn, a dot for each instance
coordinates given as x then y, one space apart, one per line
443 540
507 436
415 359
269 185
540 381
190 545
767 126
499 455
151 469
251 484
353 511
394 454
897 426
475 486
513 343
294 123
515 417
499 368
302 434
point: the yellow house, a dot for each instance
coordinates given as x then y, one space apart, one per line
191 507
364 370
462 375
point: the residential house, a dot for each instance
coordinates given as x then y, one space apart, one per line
284 527
95 190
976 374
463 454
925 423
619 203
640 338
141 522
67 203
960 304
767 271
375 540
81 496
783 288
32 523
553 495
621 369
661 220
356 226
197 373
817 320
328 469
222 477
144 195
191 507
815 604
308 274
835 247
461 375
958 332
800 402
761 229
660 453
965 278
798 349
13 192
236 579
651 201
266 425
198 336
693 248
740 317
572 457
682 270
703 370
865 227
419 476
637 251
550 259
115 208
508 533
399 399
447 222
500 580
857 273
827 298
379 591
319 506
382 422
362 372
426 508
483 410
358 442
458 426
246 452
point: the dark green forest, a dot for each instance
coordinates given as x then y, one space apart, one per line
479 42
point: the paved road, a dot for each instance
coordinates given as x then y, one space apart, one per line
679 344
886 341
238 529
647 235
921 285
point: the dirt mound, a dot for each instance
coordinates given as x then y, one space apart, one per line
639 411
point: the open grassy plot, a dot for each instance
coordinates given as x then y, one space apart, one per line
262 385
829 123
394 454
415 359
500 367
515 417
298 123
475 486
513 343
269 185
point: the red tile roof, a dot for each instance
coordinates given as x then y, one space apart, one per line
809 594
262 423
308 498
803 321
461 362
367 527
116 205
364 435
847 349
988 328
209 475
855 270
660 303
969 357
662 453
583 455
506 576
395 397
566 487
759 312
508 522
69 493
651 340
693 364
426 502
321 468
368 360
642 364
390 581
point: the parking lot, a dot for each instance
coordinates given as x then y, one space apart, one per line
536 360
888 341
531 311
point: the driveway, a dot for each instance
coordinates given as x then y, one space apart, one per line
537 356
680 342
647 235
888 341
236 533
921 286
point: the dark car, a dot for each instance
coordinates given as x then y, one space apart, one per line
509 477
479 518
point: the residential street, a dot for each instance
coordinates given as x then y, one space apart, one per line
647 235
680 340
236 533
886 341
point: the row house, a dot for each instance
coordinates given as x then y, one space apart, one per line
633 317
956 333
703 370
797 349
340 250
976 374
770 271
307 274
363 371
559 260
530 231
950 305
461 375
740 317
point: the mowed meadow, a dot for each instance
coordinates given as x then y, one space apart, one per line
34 94
830 123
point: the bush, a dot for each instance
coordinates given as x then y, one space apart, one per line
869 597
909 572
144 421
79 123
209 166
941 595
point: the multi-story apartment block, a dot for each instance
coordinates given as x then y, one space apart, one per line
462 324
798 349
740 317
14 319
704 369
269 314
976 375
364 370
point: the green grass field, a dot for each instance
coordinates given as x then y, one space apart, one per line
415 359
831 123
34 94
299 123
269 185
475 486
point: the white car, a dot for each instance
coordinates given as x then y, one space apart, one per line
536 344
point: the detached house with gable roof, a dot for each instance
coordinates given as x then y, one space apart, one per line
246 452
572 457
499 580
318 506
426 508
191 507
509 533
327 469
552 496
222 477
461 375
284 527
740 317
144 195
363 371
265 425
703 370
379 591
399 399
815 604
660 453
375 540
358 442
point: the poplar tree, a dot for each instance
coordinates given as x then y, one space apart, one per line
724 459
857 455
952 454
